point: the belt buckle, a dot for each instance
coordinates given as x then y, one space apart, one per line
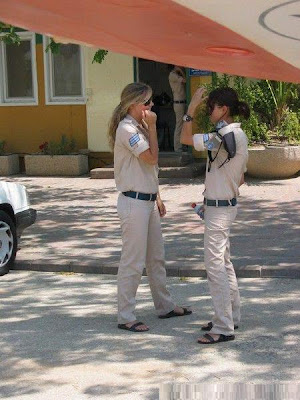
217 203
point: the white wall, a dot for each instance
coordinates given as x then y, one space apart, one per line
104 83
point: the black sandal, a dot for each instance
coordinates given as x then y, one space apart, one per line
133 327
209 326
175 314
222 338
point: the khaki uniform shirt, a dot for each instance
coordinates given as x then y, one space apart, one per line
223 183
177 85
130 172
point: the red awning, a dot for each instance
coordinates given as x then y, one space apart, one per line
257 38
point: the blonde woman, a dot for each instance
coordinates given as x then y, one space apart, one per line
133 136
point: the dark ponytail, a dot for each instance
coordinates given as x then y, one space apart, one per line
227 96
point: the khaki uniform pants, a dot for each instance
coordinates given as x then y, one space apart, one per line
142 247
179 113
220 272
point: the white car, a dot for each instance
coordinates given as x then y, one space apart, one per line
15 216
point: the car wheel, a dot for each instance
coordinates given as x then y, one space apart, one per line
8 242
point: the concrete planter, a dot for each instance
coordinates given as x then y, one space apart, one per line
9 165
58 165
274 161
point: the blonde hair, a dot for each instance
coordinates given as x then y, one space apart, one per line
134 93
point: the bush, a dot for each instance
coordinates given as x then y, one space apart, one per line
289 128
65 146
273 108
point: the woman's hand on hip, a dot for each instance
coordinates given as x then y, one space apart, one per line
161 207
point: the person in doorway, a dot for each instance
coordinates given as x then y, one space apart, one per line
177 80
132 134
225 169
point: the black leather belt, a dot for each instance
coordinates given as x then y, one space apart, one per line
141 196
220 203
179 101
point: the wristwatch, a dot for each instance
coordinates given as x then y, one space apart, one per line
187 118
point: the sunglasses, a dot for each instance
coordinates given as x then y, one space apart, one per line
148 102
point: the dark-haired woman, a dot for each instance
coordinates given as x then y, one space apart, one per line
132 135
224 175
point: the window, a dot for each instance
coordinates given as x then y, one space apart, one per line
64 75
18 80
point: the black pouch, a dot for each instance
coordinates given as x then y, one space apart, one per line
228 141
229 144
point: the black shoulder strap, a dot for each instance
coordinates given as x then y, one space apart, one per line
226 161
211 159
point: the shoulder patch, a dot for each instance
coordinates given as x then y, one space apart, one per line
205 137
134 139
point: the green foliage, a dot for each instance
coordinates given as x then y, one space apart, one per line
10 36
53 47
2 145
99 56
273 108
65 146
289 127
202 120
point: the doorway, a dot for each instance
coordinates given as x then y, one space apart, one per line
156 75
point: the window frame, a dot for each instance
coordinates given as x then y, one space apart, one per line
50 99
18 101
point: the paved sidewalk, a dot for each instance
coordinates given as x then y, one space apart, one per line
59 339
78 228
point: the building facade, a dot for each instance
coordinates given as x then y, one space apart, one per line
44 95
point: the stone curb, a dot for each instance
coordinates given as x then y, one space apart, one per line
172 270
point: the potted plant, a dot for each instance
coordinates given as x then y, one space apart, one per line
9 163
57 159
273 128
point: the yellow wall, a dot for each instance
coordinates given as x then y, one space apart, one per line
24 128
104 83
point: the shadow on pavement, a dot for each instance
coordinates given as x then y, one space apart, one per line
78 224
57 325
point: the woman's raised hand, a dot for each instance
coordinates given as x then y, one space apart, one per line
198 97
149 117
